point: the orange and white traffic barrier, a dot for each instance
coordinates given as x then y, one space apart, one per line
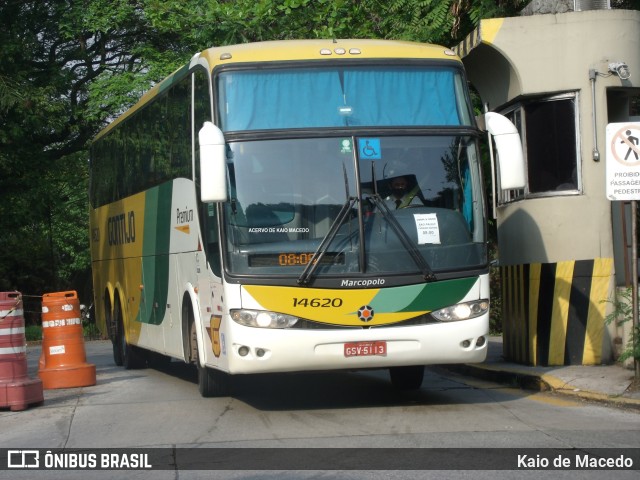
63 363
17 390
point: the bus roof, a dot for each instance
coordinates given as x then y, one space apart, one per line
295 50
322 49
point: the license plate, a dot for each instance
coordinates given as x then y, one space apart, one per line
364 349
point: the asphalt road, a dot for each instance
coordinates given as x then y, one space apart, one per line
152 408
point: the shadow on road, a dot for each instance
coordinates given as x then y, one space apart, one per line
335 389
299 391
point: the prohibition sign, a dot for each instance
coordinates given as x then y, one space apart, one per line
623 161
625 146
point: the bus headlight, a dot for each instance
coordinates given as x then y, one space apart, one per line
263 319
462 311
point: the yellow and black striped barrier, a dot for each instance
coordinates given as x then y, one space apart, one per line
553 313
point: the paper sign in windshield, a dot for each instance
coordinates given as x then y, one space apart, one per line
428 229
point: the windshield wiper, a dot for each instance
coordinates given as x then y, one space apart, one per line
311 267
406 241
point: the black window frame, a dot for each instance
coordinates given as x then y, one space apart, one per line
536 145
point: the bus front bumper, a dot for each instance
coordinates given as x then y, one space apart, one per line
256 350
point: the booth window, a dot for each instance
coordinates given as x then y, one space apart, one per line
549 130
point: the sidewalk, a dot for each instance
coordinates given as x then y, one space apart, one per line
602 383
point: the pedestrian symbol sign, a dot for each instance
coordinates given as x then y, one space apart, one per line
623 161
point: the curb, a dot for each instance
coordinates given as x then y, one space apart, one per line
540 383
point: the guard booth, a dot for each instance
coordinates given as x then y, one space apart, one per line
564 248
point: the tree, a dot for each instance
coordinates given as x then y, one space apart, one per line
54 53
69 66
444 22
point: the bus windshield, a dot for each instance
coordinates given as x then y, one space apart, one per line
398 195
337 97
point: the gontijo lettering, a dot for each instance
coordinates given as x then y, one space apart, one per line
121 228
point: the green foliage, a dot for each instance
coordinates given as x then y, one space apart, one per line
622 313
444 22
9 93
258 20
33 333
70 66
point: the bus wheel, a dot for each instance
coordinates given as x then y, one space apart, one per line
117 351
113 335
211 383
407 378
131 356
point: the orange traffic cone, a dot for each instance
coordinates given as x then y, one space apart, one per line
17 390
63 360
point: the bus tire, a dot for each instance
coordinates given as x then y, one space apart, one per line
211 382
117 352
112 328
131 356
407 378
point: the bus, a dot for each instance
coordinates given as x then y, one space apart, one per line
298 205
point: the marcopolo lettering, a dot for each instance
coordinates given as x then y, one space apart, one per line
362 283
121 228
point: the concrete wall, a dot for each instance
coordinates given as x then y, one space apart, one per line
543 54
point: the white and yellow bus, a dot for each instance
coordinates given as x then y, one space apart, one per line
297 206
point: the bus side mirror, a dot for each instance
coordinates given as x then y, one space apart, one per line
213 159
509 146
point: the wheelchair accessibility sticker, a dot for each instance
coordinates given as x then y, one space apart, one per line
369 149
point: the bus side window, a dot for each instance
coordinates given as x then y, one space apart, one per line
211 233
208 214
